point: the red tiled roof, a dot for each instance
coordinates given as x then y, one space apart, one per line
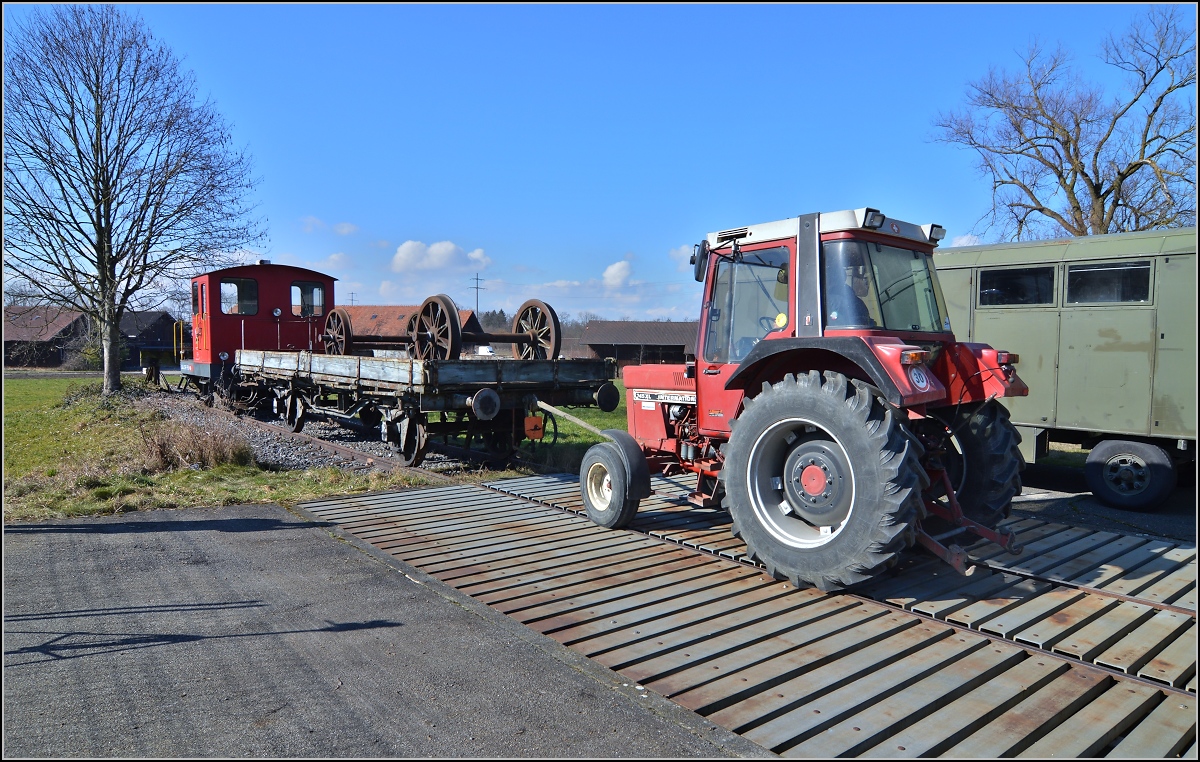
37 323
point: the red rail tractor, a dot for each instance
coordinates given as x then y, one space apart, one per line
830 409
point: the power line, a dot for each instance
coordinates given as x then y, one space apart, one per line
477 288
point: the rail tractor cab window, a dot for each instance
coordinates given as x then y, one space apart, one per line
239 296
195 298
749 301
1109 282
870 285
308 299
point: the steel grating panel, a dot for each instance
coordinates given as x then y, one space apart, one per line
801 672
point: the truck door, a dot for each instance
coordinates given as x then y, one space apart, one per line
746 300
1107 347
1016 309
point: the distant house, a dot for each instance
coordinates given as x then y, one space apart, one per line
41 336
148 337
636 342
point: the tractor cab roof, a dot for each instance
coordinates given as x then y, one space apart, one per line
865 219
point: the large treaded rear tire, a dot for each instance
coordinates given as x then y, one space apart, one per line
983 459
851 467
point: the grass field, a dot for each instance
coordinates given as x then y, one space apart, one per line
70 452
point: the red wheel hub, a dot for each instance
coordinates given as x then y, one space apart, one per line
813 479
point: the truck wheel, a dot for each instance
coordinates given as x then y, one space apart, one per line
604 484
822 482
982 459
1133 476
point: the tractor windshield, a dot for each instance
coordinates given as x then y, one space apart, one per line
870 285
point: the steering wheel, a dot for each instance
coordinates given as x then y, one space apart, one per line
767 324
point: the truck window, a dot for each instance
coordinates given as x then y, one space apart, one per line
195 298
1108 282
1017 286
239 296
308 299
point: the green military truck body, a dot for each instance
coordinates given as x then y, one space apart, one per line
1105 327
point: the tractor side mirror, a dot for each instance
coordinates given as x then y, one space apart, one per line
700 260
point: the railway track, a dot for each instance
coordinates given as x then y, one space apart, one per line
1084 645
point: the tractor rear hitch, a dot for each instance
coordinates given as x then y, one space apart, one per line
951 511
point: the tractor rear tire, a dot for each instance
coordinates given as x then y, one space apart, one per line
822 481
983 459
605 484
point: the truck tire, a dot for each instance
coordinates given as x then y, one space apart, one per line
822 481
605 486
983 459
1133 476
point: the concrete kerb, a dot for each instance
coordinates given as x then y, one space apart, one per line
732 743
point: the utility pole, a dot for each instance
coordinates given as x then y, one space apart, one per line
477 288
351 298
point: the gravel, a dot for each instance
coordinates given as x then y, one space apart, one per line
281 452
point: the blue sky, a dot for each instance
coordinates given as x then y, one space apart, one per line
574 153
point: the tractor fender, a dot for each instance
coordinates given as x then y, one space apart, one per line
635 462
877 356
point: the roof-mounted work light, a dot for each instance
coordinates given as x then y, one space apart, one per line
873 219
934 233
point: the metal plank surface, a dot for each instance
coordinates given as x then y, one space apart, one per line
1176 663
1170 728
1089 731
1134 650
1093 639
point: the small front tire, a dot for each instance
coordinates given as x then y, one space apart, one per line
604 483
1132 476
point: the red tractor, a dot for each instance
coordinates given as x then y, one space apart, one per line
830 410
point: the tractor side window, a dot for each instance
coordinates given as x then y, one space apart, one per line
195 298
239 296
1109 282
308 299
750 300
1016 286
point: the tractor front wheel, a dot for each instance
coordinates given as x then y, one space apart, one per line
982 459
822 482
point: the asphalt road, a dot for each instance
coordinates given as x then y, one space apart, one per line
250 632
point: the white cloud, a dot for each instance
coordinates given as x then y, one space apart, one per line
562 284
965 240
415 255
310 224
616 274
345 228
682 256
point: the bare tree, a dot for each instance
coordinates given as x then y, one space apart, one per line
116 176
1064 157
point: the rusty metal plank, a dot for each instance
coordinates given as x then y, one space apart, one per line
952 723
621 545
751 696
818 614
748 607
994 554
1061 624
695 683
885 716
1166 732
349 502
1092 640
559 578
558 615
927 584
737 606
1146 575
1111 570
1172 586
1031 612
509 543
1011 732
1134 650
981 611
1092 728
1080 565
454 560
625 588
1175 663
1058 556
786 714
984 585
